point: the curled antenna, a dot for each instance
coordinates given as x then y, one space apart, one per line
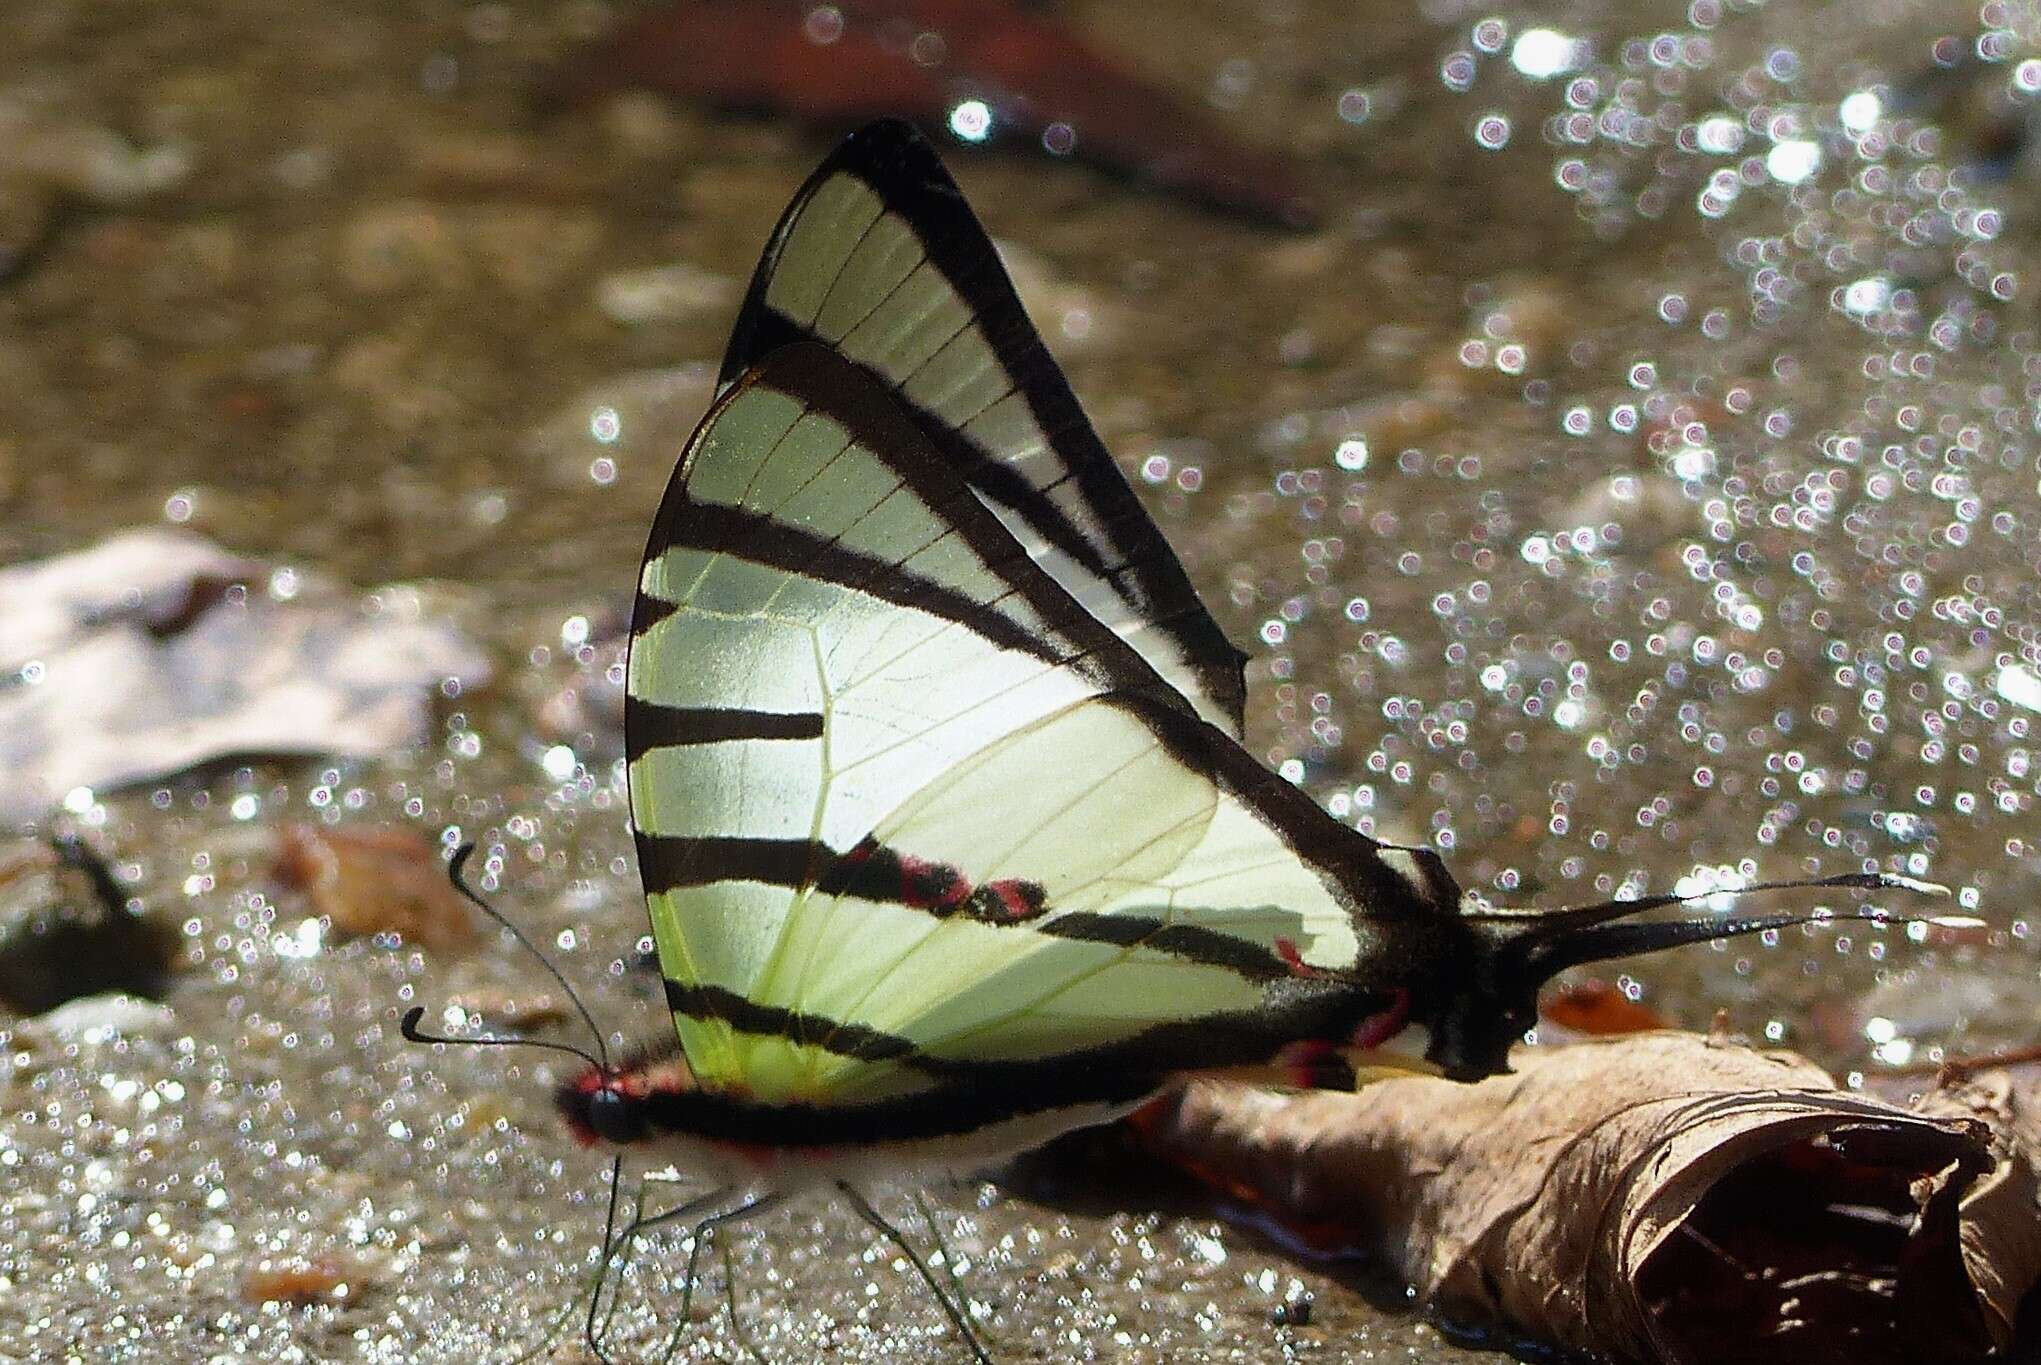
409 1027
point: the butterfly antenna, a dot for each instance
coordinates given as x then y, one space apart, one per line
409 1026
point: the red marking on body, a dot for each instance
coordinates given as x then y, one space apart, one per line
1286 949
1378 1029
636 1082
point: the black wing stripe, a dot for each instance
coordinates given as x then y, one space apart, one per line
1344 859
648 611
825 382
1206 947
652 725
970 1094
760 539
671 862
899 166
748 1016
873 872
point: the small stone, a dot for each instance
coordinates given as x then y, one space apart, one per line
99 1018
642 124
73 934
502 1010
387 248
299 1281
83 159
664 293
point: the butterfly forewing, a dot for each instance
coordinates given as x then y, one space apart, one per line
892 782
879 258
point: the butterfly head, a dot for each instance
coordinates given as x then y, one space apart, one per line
600 1106
613 1104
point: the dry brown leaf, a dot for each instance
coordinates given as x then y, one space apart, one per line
371 881
1663 1197
154 652
1598 1009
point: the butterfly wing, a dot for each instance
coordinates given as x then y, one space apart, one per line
904 806
879 258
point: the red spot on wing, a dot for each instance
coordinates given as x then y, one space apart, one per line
1007 901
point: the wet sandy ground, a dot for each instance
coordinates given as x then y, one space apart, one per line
1599 529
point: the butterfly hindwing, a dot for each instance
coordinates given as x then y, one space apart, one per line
880 258
904 806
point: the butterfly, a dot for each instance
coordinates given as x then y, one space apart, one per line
946 829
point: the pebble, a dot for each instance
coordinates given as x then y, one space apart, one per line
664 293
100 1018
410 245
47 157
82 159
300 1281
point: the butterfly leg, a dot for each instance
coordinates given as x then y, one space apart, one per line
612 1244
935 1234
550 1336
737 1332
705 1232
616 1252
914 1258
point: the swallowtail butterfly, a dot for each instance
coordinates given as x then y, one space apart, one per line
944 821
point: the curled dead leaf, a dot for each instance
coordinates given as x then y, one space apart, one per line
1662 1197
155 651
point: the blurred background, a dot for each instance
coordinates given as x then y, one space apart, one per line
1610 426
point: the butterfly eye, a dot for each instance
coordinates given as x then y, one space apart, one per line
614 1118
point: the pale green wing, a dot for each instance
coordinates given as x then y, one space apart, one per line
1102 883
880 258
902 802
